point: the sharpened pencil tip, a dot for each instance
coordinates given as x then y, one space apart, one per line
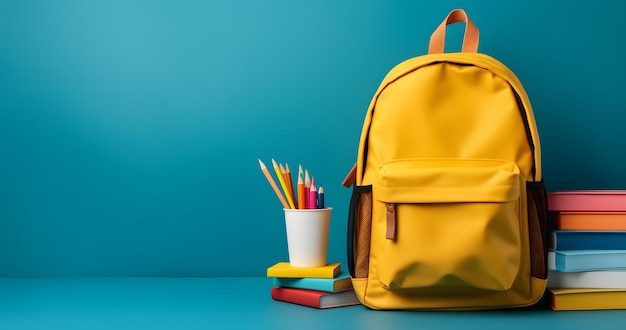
261 163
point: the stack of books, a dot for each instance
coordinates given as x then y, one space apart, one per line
587 256
318 287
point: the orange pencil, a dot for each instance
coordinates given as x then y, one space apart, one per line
273 184
301 196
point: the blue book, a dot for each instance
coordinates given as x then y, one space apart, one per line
339 283
586 260
588 239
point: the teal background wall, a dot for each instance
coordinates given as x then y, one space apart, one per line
130 130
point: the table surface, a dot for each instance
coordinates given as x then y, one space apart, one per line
236 303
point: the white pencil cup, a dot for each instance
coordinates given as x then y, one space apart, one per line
307 236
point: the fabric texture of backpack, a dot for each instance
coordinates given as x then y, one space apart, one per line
448 210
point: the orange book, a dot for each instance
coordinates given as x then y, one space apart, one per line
589 220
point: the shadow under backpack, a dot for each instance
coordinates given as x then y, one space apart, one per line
448 209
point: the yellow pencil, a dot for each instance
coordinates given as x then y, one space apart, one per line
282 183
273 184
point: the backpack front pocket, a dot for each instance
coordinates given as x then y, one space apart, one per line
449 224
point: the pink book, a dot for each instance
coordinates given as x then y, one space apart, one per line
587 200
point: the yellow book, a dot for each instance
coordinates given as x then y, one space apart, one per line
284 269
587 299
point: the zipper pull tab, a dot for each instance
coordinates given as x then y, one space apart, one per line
391 221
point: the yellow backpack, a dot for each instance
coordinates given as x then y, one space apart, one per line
448 209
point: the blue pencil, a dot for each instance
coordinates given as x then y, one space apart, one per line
320 198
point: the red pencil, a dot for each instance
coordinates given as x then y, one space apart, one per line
290 183
287 177
307 188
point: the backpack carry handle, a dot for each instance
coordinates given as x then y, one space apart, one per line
470 38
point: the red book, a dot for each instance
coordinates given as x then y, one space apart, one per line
316 299
588 200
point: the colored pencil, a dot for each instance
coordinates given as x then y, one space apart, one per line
290 183
282 183
307 188
283 172
273 184
320 197
312 195
301 196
